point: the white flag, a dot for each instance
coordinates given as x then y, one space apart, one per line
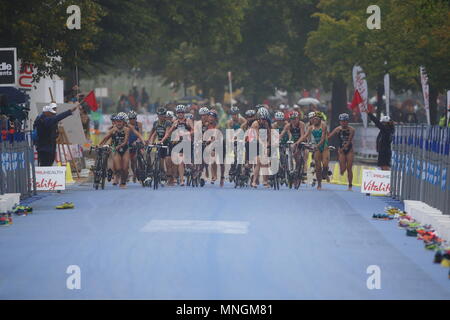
425 91
387 92
360 84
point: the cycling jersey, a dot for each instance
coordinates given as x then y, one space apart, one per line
118 138
295 132
160 128
133 137
316 136
344 137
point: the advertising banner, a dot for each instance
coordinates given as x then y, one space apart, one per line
376 182
8 67
50 178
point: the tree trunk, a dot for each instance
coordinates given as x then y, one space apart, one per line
338 101
338 106
433 105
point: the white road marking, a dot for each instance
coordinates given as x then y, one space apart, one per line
207 226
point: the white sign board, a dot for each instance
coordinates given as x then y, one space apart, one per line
376 182
101 92
50 178
72 124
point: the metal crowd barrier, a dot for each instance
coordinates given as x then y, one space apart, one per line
421 164
17 172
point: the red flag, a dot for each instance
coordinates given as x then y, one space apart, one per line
356 101
91 101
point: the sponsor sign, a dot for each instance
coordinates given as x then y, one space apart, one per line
8 67
376 182
50 178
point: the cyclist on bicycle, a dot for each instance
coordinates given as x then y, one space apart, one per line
345 150
263 122
295 129
319 137
201 126
234 123
184 129
119 136
159 130
135 136
217 157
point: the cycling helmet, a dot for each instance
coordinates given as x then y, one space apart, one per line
161 111
250 113
132 115
294 115
279 116
213 113
122 116
282 106
180 108
311 115
321 115
189 116
203 111
234 110
170 114
263 113
344 117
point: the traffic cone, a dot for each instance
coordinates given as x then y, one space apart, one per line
69 178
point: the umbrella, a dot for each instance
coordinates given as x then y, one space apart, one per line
13 95
308 101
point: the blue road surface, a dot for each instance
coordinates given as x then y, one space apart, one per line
213 243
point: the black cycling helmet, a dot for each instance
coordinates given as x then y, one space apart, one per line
250 113
161 111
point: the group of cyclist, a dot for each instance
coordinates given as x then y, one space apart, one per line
171 128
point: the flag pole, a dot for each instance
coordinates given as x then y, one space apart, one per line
230 85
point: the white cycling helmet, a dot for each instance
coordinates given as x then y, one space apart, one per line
344 117
263 113
279 116
170 114
122 116
180 108
311 115
282 106
203 111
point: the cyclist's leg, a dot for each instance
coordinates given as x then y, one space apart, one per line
125 161
318 162
325 162
349 163
342 161
181 170
256 171
117 167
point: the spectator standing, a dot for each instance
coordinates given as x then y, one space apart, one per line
384 140
46 125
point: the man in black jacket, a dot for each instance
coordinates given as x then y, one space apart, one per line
46 125
384 140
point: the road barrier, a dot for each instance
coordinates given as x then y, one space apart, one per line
17 173
420 165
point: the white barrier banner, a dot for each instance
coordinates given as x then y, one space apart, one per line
50 178
376 182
